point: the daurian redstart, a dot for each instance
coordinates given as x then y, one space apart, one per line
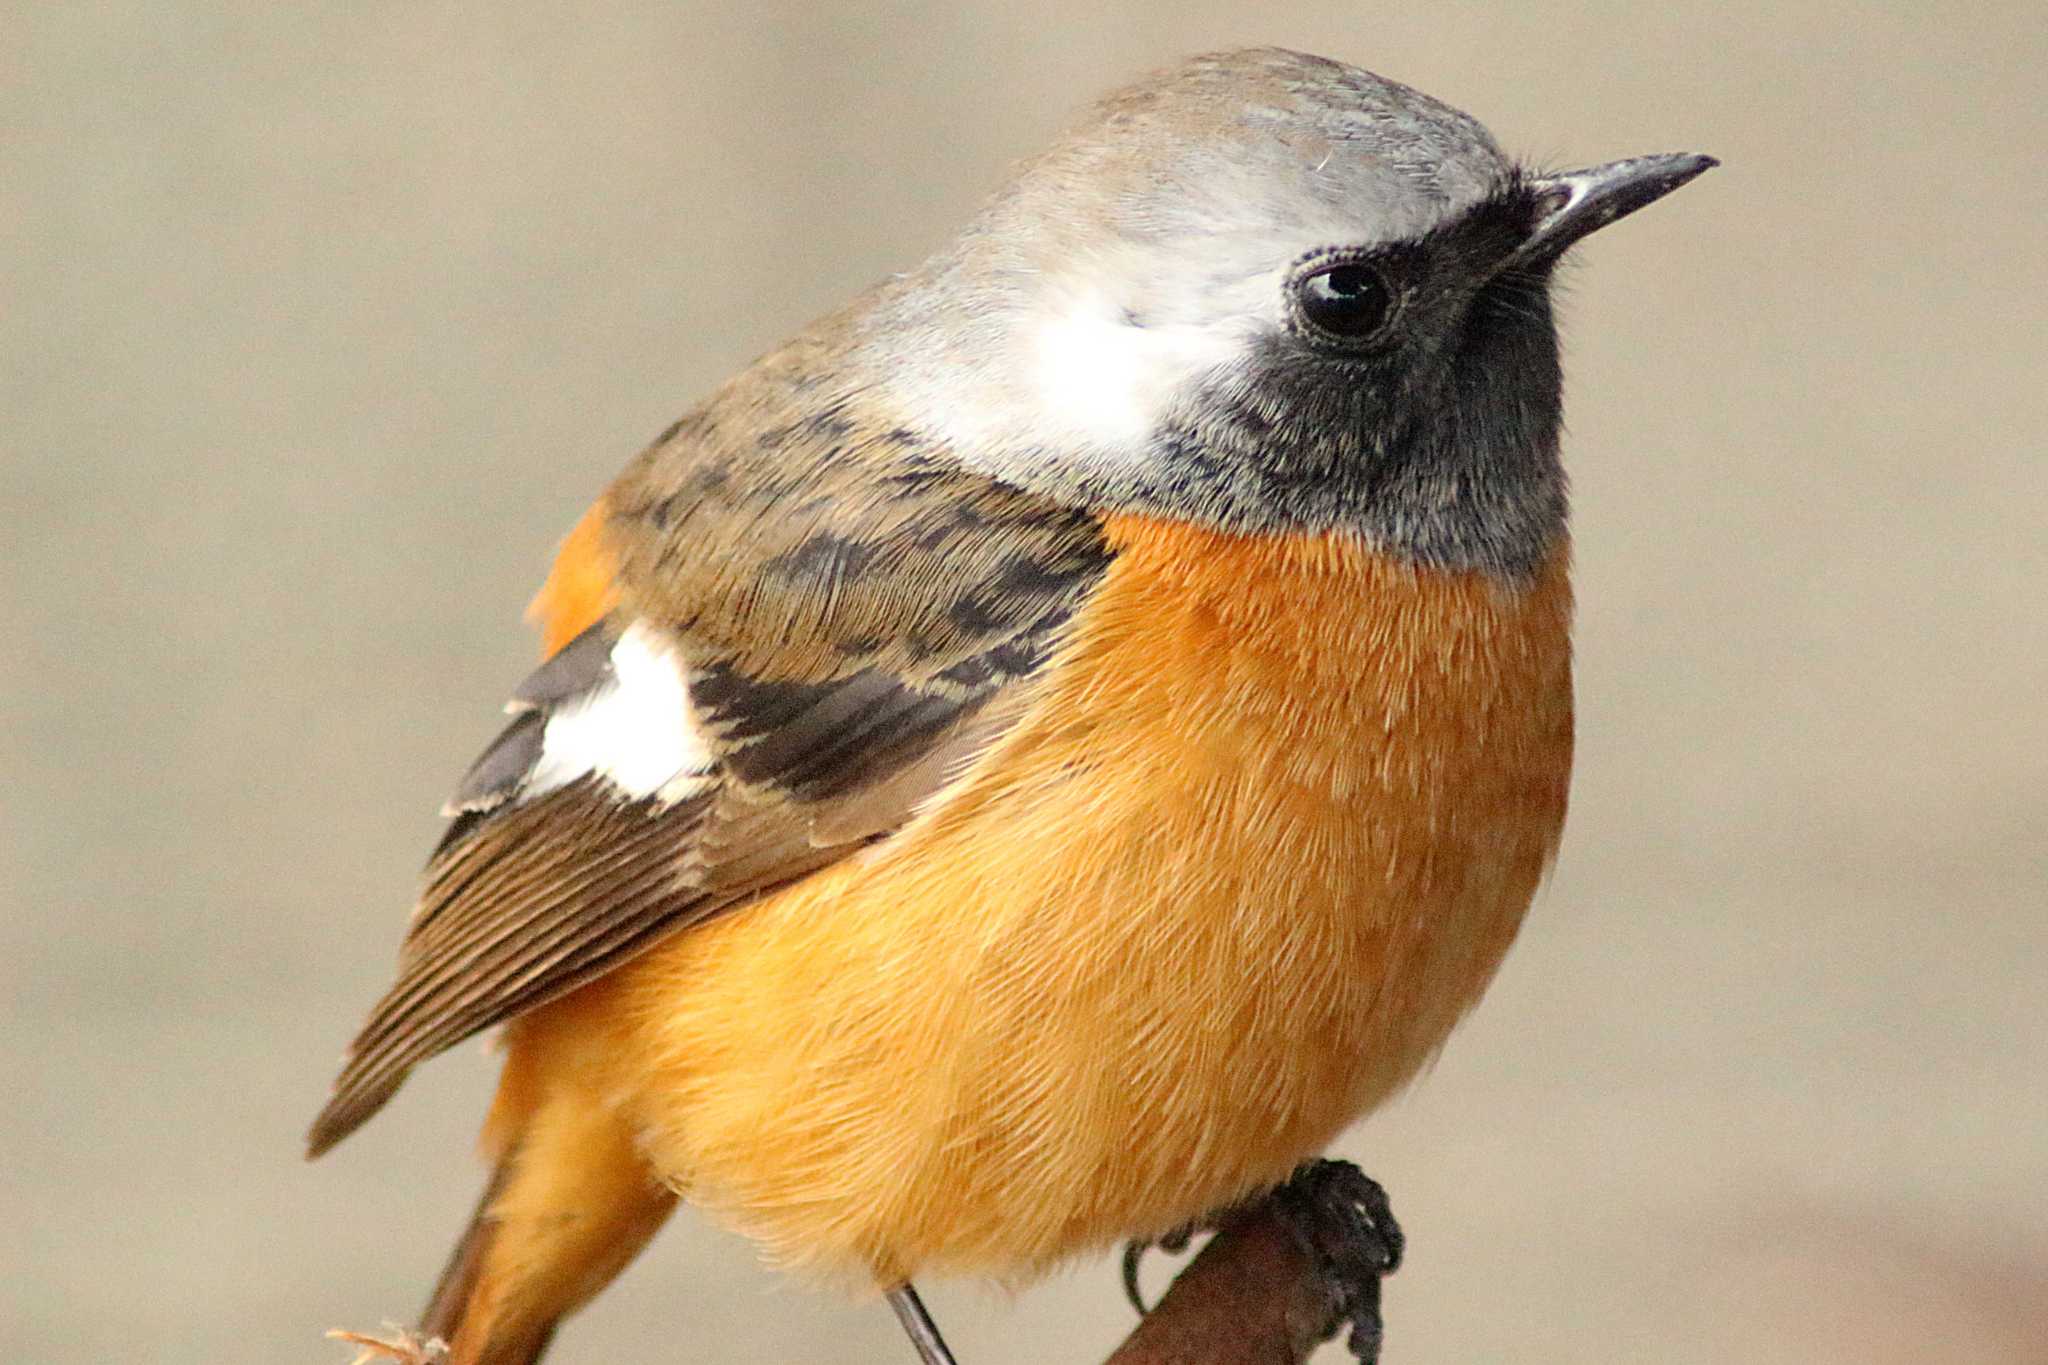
1026 763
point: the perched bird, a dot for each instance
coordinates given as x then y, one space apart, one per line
1027 762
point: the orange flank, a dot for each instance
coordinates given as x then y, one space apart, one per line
1260 838
580 588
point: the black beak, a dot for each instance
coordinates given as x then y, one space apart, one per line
1570 205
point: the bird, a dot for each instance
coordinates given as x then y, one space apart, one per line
1026 763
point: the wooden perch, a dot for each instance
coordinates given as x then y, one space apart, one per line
1254 1296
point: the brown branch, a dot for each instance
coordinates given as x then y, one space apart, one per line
1254 1296
1257 1294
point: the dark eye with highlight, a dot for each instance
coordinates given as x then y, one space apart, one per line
1348 302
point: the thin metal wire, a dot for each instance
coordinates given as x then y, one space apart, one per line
924 1333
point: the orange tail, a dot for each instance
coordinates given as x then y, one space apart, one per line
571 1202
443 1315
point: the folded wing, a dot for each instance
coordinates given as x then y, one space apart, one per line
798 660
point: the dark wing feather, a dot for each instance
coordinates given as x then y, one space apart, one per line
532 905
500 772
573 669
855 616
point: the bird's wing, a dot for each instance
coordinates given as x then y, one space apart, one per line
802 637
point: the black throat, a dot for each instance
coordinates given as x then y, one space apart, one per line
1449 460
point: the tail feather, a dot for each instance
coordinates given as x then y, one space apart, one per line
570 1203
458 1282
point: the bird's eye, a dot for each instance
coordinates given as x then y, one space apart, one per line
1347 301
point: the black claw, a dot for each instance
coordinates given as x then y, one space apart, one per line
1134 1253
1343 1219
1172 1243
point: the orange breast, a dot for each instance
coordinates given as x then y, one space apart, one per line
1260 841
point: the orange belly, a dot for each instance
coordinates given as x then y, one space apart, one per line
1261 839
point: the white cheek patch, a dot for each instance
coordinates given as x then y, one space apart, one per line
1100 380
636 730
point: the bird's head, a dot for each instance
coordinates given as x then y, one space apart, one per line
1265 291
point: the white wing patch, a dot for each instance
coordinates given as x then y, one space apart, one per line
636 730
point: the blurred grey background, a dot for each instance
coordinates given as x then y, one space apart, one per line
323 321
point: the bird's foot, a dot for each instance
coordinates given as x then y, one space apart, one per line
406 1348
1342 1219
